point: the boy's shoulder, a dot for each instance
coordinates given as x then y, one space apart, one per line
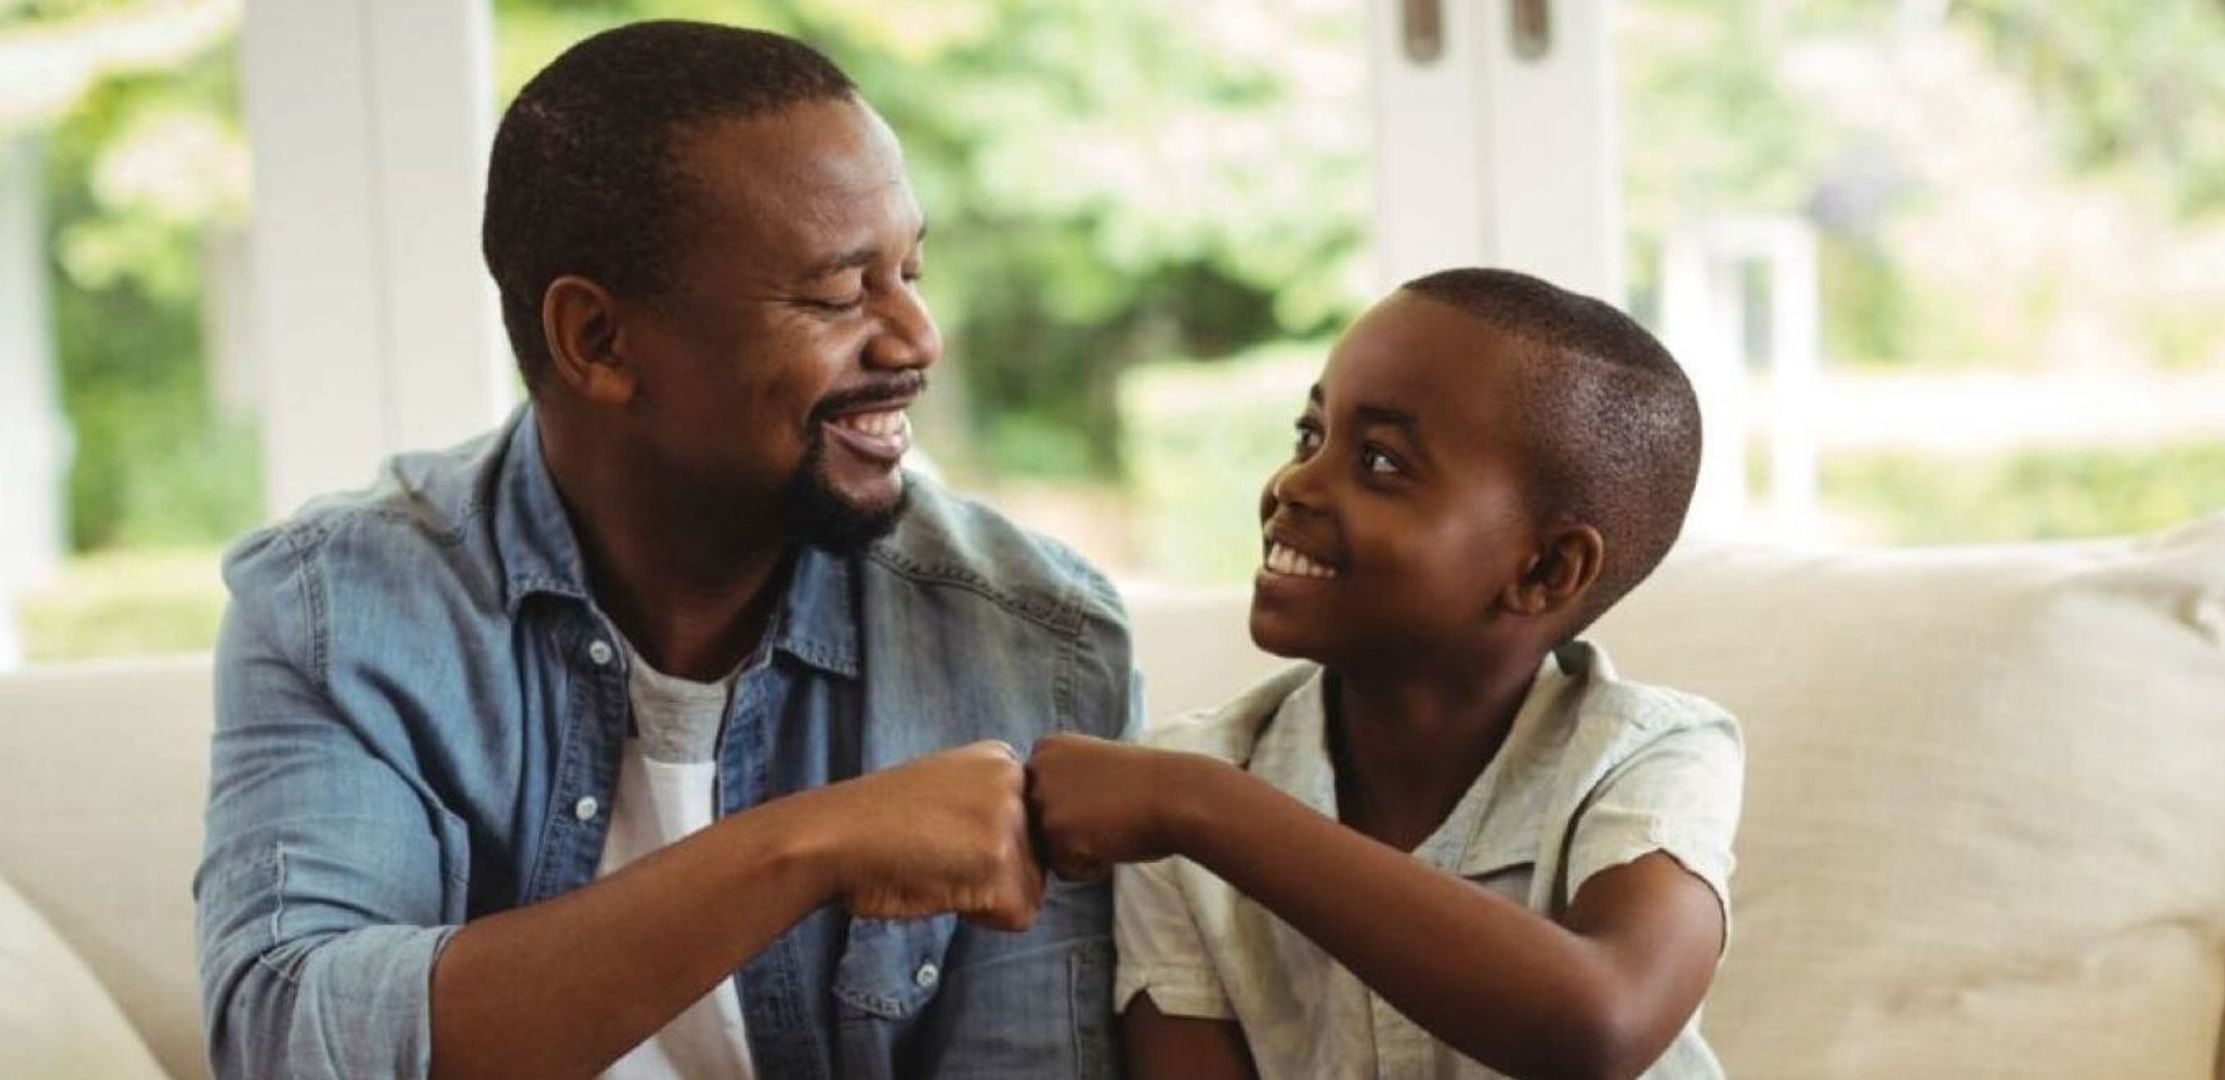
1609 698
1228 730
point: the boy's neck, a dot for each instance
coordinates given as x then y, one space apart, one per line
1408 746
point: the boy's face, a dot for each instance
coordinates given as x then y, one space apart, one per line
1400 518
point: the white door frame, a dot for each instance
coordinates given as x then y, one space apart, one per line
1498 149
375 326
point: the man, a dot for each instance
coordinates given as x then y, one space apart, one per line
621 738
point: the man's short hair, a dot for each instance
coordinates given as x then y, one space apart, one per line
1613 429
583 177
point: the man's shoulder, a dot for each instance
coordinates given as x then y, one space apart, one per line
421 514
946 540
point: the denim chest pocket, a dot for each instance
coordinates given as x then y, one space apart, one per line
890 968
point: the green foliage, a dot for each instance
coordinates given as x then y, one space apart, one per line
138 173
1202 441
2138 86
2031 495
118 604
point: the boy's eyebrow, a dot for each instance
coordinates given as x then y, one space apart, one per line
862 255
1371 415
1402 419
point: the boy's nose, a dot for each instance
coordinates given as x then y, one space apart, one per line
1297 484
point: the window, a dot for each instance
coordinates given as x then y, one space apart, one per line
127 417
1958 269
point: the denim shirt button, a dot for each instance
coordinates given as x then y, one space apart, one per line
598 652
926 975
585 808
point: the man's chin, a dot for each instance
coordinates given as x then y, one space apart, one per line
846 521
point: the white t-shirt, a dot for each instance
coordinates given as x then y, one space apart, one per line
1594 773
666 786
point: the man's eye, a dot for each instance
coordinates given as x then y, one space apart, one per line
842 305
1374 460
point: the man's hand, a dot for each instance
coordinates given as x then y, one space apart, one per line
947 832
1096 803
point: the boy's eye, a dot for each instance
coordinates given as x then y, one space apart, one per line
1374 460
1309 438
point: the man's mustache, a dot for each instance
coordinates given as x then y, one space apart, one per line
899 387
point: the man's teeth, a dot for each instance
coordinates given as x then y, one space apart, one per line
890 422
1282 560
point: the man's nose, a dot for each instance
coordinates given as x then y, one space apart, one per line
907 337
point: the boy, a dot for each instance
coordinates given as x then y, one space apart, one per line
1454 844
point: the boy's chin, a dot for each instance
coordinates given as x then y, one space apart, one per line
1278 634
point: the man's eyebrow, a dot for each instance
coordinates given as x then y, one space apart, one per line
862 255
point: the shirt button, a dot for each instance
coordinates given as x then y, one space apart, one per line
585 808
598 652
926 975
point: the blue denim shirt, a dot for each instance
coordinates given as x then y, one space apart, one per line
419 721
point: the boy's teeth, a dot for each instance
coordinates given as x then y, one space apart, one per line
1283 560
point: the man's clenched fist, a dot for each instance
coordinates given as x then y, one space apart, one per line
947 832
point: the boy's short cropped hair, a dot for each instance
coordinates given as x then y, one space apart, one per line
1613 435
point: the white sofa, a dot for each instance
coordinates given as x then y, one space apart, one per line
1984 833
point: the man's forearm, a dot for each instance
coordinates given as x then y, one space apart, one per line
567 986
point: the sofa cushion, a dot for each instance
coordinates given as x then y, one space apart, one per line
1984 832
55 1019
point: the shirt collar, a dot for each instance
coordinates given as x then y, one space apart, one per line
817 623
1494 823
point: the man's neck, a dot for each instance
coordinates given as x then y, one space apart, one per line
692 590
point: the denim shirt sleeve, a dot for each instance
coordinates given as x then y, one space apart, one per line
322 896
1039 1003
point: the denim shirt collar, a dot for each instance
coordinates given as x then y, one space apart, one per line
817 623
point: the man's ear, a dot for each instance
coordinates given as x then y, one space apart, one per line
1559 573
579 320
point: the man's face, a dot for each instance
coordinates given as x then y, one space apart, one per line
1400 516
775 370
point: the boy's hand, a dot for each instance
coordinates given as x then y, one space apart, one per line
1095 803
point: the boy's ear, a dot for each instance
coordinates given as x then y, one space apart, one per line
579 320
1559 573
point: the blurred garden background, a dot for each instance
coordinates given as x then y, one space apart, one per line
1151 217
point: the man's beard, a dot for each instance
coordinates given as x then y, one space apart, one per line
824 519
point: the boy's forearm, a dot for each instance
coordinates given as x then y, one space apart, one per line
1477 971
566 986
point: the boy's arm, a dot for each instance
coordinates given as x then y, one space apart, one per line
1601 992
1159 1045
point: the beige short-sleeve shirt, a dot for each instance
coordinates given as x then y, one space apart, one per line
1594 773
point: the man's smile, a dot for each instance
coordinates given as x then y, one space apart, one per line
882 434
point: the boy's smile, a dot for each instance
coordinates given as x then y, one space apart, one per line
1389 535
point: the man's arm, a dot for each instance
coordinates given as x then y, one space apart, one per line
328 897
1600 992
567 986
